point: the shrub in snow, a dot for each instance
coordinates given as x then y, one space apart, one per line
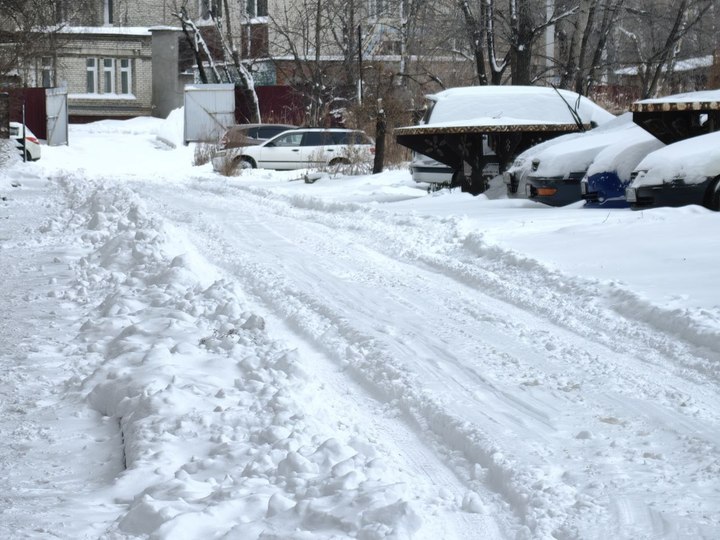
203 153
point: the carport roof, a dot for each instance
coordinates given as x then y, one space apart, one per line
706 100
491 126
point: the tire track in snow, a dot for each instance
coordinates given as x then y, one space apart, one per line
561 307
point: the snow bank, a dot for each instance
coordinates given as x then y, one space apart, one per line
171 130
215 416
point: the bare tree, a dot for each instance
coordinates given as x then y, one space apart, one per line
304 35
513 26
652 33
227 69
583 38
28 30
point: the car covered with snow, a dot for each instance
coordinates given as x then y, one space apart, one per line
309 147
609 175
467 129
687 172
515 176
556 172
665 120
30 146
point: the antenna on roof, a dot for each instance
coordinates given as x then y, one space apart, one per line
573 110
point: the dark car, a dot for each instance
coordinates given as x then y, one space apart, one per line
242 135
609 175
687 172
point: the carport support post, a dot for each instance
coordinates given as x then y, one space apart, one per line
468 147
24 133
380 128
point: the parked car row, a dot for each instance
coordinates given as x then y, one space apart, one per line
285 147
665 152
563 147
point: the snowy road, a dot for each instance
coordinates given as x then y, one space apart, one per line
527 382
258 358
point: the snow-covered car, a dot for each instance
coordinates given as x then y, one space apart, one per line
471 129
609 175
686 172
556 172
310 147
32 144
240 136
666 120
515 176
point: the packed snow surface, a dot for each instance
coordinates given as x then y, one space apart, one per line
192 356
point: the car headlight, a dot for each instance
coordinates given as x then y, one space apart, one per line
630 195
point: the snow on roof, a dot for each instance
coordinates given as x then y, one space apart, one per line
576 154
530 108
687 101
623 156
514 104
679 66
692 160
107 30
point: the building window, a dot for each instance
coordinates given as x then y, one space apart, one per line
60 11
47 73
108 12
91 86
210 7
256 8
108 75
125 76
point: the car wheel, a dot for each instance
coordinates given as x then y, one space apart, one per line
713 197
246 163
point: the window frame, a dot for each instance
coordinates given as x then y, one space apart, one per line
253 8
126 73
206 6
108 13
91 70
108 70
47 71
